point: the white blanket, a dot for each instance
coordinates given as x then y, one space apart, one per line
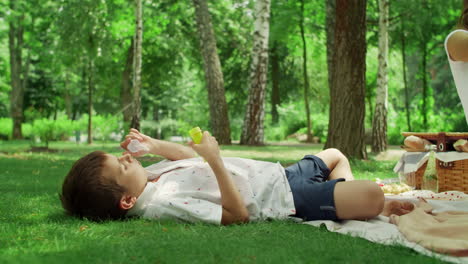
379 230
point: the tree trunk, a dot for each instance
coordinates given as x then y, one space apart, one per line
219 117
156 114
15 41
252 131
126 92
347 106
379 123
370 105
137 66
330 20
305 74
90 100
425 86
67 96
405 80
275 77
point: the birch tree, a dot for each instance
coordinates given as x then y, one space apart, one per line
135 123
213 75
252 131
347 93
379 123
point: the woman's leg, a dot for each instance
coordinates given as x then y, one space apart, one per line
337 163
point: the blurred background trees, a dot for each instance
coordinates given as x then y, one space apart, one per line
71 62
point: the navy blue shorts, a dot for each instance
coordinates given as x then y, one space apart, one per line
312 192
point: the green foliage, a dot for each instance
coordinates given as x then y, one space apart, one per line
4 76
292 117
233 30
47 130
105 127
62 38
453 122
161 129
293 120
5 128
275 133
6 125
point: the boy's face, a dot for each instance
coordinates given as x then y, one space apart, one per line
127 172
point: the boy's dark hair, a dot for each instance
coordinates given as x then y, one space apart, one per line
86 193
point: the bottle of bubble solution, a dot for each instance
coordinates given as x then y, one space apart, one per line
429 180
196 135
135 146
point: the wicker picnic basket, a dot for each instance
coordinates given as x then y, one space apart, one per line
451 176
416 178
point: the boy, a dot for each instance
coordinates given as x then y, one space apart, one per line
221 190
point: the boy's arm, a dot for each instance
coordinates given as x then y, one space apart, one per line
234 210
168 150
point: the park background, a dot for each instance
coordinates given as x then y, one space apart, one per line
64 61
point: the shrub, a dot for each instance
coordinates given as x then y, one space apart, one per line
292 117
6 129
52 130
293 120
275 133
163 128
236 127
107 127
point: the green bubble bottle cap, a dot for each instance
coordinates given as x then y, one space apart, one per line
196 135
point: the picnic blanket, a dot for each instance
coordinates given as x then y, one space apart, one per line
445 232
380 230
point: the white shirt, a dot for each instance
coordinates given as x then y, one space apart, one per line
460 75
188 190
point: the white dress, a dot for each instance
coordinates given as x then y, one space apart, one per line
460 75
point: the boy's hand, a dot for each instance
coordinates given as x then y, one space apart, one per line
208 148
142 138
234 209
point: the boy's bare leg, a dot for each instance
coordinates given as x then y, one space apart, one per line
337 163
358 200
362 200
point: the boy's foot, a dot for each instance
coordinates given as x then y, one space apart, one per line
397 208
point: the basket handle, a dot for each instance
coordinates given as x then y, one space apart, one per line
441 142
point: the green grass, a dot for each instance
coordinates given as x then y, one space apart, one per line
34 229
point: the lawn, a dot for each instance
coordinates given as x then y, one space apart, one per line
34 229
